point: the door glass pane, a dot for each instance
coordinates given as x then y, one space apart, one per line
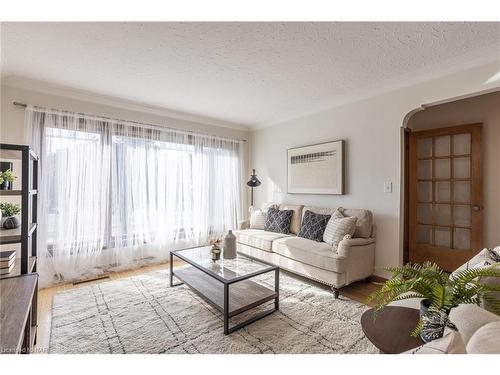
442 193
424 191
424 148
442 214
461 215
461 239
424 234
442 237
442 168
461 167
424 169
461 191
461 144
442 146
424 213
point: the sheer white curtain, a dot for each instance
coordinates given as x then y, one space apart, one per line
115 194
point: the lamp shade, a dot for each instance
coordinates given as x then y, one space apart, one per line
254 181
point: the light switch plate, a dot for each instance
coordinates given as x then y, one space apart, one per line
388 187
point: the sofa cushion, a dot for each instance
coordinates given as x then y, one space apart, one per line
486 340
319 210
317 254
363 224
470 318
313 226
296 217
278 220
257 238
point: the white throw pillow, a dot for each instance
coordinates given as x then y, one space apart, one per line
258 218
339 226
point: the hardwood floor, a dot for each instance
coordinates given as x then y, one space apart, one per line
358 291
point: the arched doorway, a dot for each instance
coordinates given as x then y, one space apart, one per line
449 213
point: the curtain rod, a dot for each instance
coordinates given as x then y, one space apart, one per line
157 127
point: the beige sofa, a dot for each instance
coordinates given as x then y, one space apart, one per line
353 259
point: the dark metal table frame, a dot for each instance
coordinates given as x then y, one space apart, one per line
227 283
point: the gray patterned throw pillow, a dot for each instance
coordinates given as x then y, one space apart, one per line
313 226
278 220
494 255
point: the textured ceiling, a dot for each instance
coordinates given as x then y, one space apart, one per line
253 74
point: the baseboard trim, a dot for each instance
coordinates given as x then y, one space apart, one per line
378 279
89 280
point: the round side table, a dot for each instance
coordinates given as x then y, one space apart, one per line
391 329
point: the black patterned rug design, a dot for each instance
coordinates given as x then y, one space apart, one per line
142 314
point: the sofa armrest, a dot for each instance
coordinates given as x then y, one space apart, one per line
344 246
470 318
360 254
244 224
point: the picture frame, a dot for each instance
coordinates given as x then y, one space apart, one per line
316 169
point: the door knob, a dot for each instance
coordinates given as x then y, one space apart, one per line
476 208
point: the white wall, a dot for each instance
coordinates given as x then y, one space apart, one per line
483 109
371 129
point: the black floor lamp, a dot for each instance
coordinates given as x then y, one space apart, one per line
253 182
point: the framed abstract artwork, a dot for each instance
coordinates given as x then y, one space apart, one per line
316 169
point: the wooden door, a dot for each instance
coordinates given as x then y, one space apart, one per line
445 195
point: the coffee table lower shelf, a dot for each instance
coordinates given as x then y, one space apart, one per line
232 298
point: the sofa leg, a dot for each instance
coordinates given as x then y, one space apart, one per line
336 292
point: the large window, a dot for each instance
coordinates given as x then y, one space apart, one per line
110 186
134 190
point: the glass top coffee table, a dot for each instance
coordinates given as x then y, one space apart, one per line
225 283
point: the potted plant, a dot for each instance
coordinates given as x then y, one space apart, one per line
216 250
6 179
9 215
439 293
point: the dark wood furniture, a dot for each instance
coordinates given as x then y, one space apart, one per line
26 234
391 329
19 288
18 313
226 284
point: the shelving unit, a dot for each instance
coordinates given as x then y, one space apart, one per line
26 234
19 288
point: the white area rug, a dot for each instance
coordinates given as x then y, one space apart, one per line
142 314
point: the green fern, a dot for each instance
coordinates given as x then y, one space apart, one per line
429 281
